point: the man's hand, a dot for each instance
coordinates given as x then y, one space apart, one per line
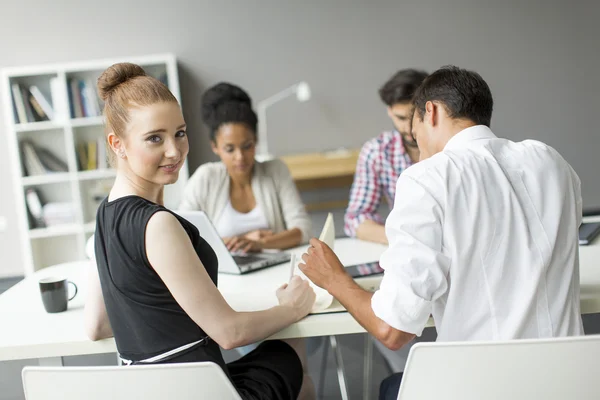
321 265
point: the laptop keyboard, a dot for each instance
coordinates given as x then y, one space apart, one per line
248 259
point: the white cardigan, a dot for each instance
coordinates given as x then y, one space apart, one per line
273 187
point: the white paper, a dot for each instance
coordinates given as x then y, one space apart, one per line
323 298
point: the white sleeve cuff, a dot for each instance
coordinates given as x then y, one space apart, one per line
410 321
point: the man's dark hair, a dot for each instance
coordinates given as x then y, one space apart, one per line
225 103
463 93
401 87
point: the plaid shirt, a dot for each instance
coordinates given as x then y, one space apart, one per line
380 163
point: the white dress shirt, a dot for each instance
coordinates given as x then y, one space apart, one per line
483 236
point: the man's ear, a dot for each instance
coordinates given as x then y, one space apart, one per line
431 113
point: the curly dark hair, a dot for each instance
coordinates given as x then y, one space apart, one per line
226 103
401 86
463 93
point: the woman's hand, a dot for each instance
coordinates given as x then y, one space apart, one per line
242 244
298 295
258 234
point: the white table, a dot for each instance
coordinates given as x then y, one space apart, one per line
29 332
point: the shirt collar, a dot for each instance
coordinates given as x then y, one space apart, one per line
469 134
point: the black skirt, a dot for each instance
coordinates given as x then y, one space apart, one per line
272 371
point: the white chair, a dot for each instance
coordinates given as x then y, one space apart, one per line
184 381
549 369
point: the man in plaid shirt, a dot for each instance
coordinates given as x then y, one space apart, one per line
382 160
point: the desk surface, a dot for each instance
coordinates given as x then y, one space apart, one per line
312 166
29 332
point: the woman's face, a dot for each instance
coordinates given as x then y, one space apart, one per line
155 143
235 144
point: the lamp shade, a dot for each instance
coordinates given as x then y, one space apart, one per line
303 91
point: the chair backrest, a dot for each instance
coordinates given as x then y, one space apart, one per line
187 381
549 369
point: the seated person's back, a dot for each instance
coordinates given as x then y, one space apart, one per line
145 317
502 237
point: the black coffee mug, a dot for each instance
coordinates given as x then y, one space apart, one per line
55 294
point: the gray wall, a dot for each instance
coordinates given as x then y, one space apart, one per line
539 58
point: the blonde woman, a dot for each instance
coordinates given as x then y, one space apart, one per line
155 286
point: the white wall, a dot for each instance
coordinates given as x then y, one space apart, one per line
539 57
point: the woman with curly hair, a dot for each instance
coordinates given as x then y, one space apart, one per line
254 205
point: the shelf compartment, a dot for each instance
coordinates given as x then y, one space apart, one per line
87 121
96 174
38 126
56 230
52 177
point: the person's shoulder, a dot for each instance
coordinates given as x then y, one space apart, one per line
210 168
541 146
134 209
429 166
380 142
374 147
162 221
208 172
273 167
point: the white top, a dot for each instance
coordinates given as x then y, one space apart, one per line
231 222
483 236
273 187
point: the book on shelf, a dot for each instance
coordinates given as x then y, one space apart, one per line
91 155
82 156
37 109
50 161
34 208
75 99
59 101
17 96
38 160
42 102
28 107
58 213
83 99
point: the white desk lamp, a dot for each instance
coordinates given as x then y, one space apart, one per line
302 92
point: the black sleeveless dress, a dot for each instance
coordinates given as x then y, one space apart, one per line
147 321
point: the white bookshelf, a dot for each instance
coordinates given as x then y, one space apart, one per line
83 187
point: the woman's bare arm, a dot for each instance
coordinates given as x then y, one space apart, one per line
97 325
173 257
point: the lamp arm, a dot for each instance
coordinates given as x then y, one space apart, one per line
276 97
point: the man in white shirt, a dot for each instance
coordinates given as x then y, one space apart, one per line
484 236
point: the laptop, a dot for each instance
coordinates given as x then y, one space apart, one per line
230 263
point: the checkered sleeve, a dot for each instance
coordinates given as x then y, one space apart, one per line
365 194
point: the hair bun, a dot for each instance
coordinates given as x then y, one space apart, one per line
115 75
220 95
